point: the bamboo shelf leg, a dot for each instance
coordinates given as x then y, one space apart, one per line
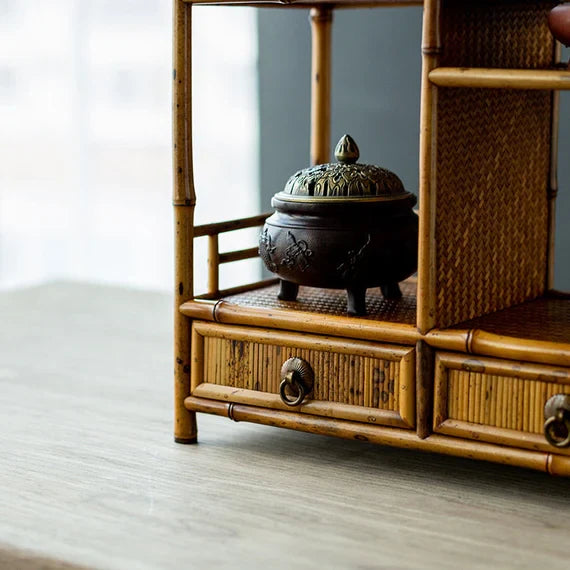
184 200
321 27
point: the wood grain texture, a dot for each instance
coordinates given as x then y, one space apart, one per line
90 475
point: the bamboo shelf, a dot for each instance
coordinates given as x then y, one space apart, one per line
466 360
535 331
320 311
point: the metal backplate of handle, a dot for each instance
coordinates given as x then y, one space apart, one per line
557 424
297 380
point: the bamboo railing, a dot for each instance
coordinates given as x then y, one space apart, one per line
215 258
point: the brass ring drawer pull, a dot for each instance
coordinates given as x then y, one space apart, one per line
557 424
297 380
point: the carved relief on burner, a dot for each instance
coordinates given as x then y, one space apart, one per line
350 265
297 253
267 249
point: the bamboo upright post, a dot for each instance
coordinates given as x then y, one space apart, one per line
431 48
424 388
184 201
553 182
321 28
213 265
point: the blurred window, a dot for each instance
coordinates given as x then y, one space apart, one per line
85 109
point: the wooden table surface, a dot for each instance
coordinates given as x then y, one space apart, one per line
90 476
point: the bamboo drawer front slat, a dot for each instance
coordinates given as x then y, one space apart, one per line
498 401
354 380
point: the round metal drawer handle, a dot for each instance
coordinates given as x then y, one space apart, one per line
557 424
297 377
291 381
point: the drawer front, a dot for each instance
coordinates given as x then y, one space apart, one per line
356 380
495 400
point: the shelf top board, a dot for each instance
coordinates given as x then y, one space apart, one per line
318 311
545 319
308 4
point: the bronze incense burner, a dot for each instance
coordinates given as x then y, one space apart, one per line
342 225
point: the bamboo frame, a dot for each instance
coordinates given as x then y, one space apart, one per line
490 78
321 28
489 344
431 49
550 463
350 327
184 200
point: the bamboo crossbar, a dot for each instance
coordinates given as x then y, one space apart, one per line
500 78
304 4
233 291
230 225
551 463
238 255
490 344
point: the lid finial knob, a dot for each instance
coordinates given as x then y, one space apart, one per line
346 151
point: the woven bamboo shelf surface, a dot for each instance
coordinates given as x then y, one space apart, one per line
333 302
544 319
493 163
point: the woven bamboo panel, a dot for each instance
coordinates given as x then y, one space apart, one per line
499 401
492 163
340 378
333 302
542 319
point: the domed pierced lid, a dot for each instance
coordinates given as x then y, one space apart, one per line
344 180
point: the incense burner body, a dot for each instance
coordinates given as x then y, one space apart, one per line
358 231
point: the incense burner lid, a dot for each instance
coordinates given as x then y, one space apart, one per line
344 180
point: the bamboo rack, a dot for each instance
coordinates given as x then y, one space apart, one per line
440 369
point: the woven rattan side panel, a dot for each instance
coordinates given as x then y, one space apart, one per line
340 378
492 163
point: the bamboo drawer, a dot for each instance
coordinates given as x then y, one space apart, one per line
494 400
355 380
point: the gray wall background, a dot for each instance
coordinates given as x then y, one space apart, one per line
375 98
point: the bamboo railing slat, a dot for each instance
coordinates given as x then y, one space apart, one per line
230 225
238 255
